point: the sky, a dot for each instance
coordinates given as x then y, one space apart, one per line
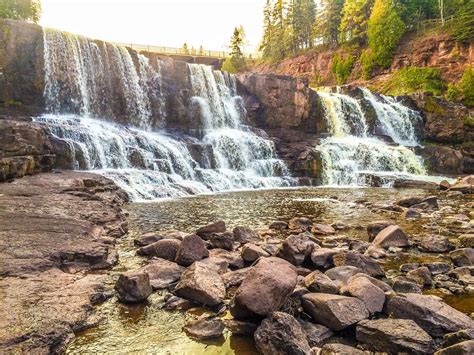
171 23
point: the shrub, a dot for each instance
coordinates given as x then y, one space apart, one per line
452 93
466 85
414 79
342 68
463 26
367 64
228 66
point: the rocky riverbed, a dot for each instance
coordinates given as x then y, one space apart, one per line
293 271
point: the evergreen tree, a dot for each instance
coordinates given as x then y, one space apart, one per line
28 10
328 21
355 18
236 61
385 29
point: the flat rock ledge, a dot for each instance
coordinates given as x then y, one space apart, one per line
54 228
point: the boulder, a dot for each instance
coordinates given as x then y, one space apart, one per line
239 327
376 282
458 337
147 239
174 303
394 336
444 185
412 213
409 201
205 328
295 248
222 241
463 348
334 311
421 275
164 249
340 349
162 273
362 262
234 278
279 225
133 287
435 244
402 285
462 257
251 252
437 267
233 258
191 249
265 288
361 288
376 227
322 257
216 227
318 282
341 274
359 246
302 223
464 185
428 203
281 334
322 229
245 235
375 252
429 312
466 240
315 333
202 284
392 236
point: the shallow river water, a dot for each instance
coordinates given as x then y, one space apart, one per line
147 328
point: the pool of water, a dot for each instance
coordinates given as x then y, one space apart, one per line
147 328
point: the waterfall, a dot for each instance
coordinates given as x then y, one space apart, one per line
351 156
90 84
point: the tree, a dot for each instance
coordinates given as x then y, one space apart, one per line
467 86
301 16
328 21
385 29
412 12
236 61
185 48
27 10
355 17
463 26
276 41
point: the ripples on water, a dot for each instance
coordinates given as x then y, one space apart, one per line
147 328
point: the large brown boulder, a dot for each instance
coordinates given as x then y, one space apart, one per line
376 227
462 257
265 288
245 235
205 328
191 249
281 334
360 261
162 273
164 249
372 296
202 284
392 236
334 311
296 248
394 336
429 312
133 287
215 227
318 282
463 348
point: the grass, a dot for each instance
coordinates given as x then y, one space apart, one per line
414 79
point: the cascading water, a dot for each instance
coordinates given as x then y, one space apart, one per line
86 80
351 156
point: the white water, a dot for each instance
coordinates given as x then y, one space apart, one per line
84 81
351 156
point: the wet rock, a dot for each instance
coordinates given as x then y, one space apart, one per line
220 265
444 185
302 271
279 226
376 282
392 236
191 249
334 311
315 333
341 274
216 227
233 258
205 328
162 273
322 229
437 268
464 185
466 240
376 227
364 263
245 235
222 241
202 284
412 213
238 327
361 288
322 257
234 278
164 249
178 303
435 244
409 201
462 257
318 282
147 239
251 252
464 274
375 252
359 246
464 348
295 249
394 336
458 337
265 288
340 349
301 223
430 313
421 275
281 334
133 287
402 285
408 267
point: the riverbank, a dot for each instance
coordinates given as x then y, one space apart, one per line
57 235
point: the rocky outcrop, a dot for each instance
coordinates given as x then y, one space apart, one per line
54 228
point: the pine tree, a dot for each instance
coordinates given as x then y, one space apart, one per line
328 21
354 20
236 61
28 10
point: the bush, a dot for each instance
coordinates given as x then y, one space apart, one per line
466 85
367 64
28 10
452 93
463 26
414 79
342 68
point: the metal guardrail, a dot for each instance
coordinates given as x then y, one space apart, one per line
180 51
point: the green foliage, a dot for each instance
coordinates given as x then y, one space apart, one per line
385 29
28 10
228 66
463 26
452 93
466 85
342 67
366 63
236 61
414 79
414 11
300 17
469 121
355 17
326 27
